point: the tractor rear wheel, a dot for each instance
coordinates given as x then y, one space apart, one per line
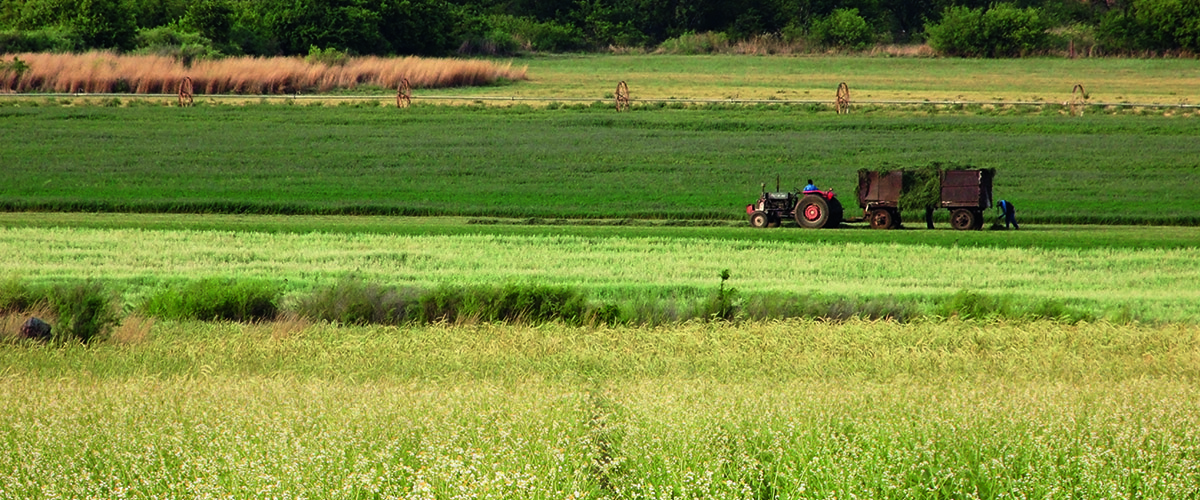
882 218
759 219
962 219
815 211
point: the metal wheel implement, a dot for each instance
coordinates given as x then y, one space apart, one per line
622 96
404 94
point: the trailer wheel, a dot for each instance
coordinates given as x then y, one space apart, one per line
882 218
759 219
815 212
978 219
962 219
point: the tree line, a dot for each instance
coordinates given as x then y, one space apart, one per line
971 28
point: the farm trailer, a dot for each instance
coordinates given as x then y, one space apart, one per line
965 193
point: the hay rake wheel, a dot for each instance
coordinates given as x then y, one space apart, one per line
1078 99
404 94
843 99
185 92
622 96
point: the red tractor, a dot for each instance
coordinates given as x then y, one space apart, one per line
965 192
811 209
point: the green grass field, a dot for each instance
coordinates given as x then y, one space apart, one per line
1167 81
642 210
590 163
1120 274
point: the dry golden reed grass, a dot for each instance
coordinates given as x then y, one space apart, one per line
287 325
106 72
134 329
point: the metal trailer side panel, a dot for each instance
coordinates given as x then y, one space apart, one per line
879 190
967 188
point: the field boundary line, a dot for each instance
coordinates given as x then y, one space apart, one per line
831 102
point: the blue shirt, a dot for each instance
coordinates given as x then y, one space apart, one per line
810 187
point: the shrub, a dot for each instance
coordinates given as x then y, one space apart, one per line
843 28
547 36
515 303
695 43
329 56
216 299
16 296
1152 25
53 39
721 306
967 304
999 31
354 301
86 312
170 41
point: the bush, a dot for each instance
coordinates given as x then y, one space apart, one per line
547 36
170 41
329 56
16 296
843 28
58 40
999 31
514 303
695 43
216 299
86 312
1152 25
354 301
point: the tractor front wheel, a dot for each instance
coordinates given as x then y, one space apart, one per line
963 219
759 219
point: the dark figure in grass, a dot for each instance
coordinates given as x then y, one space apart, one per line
1009 213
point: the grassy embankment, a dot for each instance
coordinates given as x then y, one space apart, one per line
771 410
577 163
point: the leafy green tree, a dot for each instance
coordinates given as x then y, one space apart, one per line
104 24
420 27
1002 30
213 19
298 25
843 28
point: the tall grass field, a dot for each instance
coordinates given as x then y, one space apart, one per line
105 72
773 410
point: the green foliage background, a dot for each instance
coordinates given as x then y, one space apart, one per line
438 27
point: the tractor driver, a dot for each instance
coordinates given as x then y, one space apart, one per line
810 186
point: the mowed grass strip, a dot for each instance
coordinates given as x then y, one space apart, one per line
1157 284
576 163
1048 80
788 409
